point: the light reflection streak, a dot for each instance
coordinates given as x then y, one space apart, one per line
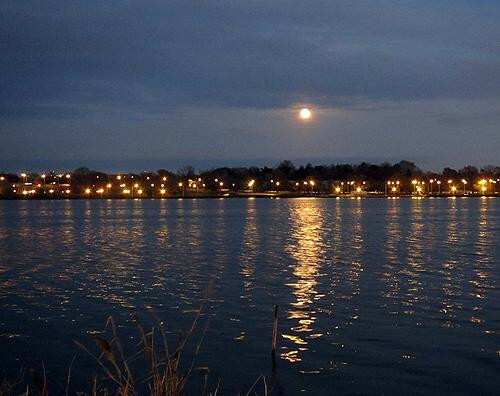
392 262
481 280
305 246
415 244
451 269
249 248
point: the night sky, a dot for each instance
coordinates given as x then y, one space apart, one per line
132 85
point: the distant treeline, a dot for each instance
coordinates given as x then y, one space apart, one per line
285 176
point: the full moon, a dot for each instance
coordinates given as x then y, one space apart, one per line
305 114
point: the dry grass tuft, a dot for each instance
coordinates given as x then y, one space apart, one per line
164 375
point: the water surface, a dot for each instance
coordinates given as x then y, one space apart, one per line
375 295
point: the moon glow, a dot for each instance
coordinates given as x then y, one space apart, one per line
305 114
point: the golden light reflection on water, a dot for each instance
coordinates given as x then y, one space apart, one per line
355 267
305 246
392 262
116 280
414 267
451 268
482 268
249 249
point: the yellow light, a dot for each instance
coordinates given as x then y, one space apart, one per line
25 192
221 184
126 191
180 184
87 191
23 174
305 114
162 191
388 182
414 182
109 185
337 189
43 176
68 176
136 185
51 191
419 189
311 182
164 178
139 192
358 189
483 189
438 182
482 181
68 191
450 181
464 181
277 183
100 191
397 182
2 178
251 183
453 189
394 189
118 177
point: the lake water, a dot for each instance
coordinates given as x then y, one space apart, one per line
375 295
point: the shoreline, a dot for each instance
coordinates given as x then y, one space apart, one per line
248 195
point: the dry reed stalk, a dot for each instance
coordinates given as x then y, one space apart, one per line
275 335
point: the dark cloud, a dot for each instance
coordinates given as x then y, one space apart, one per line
199 78
257 54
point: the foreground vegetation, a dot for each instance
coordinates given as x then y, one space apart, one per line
155 369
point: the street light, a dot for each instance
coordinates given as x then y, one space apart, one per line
414 182
464 183
482 183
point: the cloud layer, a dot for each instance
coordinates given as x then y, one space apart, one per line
66 61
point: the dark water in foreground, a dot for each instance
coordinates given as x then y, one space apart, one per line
376 296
